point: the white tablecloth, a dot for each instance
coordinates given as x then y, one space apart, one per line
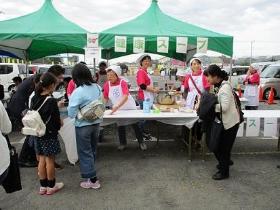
178 118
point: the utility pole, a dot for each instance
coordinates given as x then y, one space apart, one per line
251 51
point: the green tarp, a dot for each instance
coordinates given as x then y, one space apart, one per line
42 33
154 23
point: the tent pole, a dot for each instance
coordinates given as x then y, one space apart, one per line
230 68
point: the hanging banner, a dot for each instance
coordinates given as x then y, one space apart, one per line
92 40
202 45
162 44
253 127
120 43
181 44
91 54
270 127
138 44
240 130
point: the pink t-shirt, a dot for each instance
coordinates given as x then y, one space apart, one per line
124 87
142 78
71 87
253 79
205 82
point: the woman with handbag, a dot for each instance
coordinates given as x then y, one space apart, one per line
87 131
229 118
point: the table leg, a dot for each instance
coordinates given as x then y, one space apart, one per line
190 145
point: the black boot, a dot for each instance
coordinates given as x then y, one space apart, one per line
230 164
220 176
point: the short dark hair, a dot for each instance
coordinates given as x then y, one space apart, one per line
36 78
144 58
214 70
17 79
82 75
102 63
46 80
56 70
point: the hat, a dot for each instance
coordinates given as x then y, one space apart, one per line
194 59
181 73
115 69
140 59
255 66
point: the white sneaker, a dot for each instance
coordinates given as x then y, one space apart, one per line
87 184
58 186
143 146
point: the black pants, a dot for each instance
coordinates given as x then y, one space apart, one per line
122 134
27 153
223 152
251 107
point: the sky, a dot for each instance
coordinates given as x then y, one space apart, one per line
250 21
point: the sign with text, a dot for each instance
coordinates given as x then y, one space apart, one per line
162 44
202 45
120 43
92 40
181 44
270 127
138 44
253 127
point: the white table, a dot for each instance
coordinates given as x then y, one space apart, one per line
177 118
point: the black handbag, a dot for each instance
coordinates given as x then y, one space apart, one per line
214 137
12 182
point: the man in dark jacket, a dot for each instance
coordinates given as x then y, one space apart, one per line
20 102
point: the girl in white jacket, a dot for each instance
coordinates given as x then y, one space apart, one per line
5 128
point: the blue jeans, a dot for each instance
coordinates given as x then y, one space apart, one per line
87 138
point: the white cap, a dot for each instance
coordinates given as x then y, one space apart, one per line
255 66
181 73
116 69
193 60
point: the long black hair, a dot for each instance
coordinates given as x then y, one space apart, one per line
214 70
82 75
46 80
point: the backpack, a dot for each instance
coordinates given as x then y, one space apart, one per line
92 111
33 123
238 107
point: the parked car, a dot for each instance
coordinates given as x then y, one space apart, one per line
10 70
263 65
270 77
237 75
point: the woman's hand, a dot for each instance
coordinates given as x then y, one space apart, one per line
114 109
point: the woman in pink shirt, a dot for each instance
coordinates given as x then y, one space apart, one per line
251 92
195 83
116 90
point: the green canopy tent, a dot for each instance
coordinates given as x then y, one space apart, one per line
154 23
41 33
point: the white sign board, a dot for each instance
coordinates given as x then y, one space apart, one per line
120 43
92 40
181 44
90 54
253 127
162 44
240 130
270 127
138 44
202 45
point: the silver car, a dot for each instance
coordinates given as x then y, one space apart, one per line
270 77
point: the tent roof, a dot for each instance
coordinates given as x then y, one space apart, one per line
153 22
46 28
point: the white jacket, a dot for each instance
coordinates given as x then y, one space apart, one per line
229 111
5 128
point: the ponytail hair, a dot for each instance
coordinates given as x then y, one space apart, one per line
46 80
214 70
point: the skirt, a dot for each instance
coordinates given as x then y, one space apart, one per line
47 146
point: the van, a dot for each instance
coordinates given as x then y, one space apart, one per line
270 77
10 70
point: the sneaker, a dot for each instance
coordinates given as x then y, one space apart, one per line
88 184
143 146
58 186
121 147
42 190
